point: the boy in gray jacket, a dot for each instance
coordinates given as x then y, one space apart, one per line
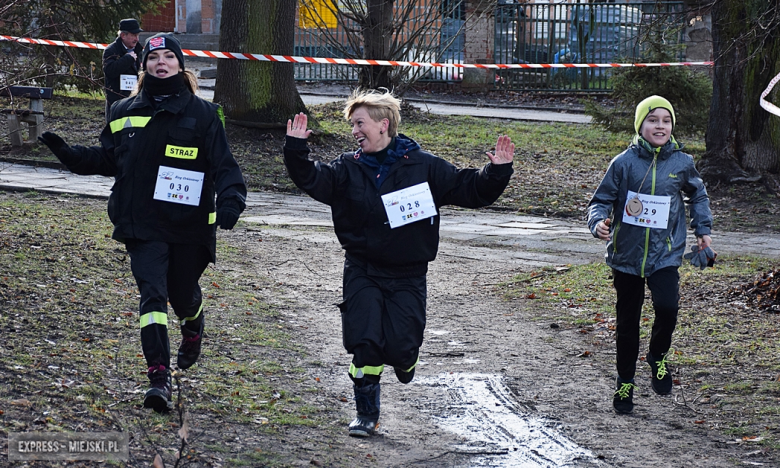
639 209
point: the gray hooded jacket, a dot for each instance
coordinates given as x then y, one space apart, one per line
640 250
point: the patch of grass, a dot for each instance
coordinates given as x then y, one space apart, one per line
738 430
71 353
581 294
739 387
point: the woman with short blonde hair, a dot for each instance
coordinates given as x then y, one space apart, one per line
381 104
385 199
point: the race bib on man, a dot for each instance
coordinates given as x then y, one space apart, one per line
127 82
409 205
178 186
654 211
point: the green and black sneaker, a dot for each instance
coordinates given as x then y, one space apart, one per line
623 399
662 379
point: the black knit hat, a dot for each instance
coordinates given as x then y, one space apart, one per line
163 41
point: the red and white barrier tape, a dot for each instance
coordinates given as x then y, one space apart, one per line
345 61
768 106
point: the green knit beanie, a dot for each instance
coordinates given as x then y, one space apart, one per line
646 106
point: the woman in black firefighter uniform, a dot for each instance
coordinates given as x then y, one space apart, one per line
169 154
384 200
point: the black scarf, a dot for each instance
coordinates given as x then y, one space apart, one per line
161 88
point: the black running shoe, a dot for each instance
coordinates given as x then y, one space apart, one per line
158 397
662 379
623 399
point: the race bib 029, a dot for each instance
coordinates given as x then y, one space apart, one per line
654 212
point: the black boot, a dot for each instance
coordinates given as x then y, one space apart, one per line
367 403
159 396
189 351
404 376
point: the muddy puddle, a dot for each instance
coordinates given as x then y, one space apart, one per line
499 432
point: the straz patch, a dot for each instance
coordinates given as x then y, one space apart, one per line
181 152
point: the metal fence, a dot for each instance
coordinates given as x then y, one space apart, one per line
579 33
561 31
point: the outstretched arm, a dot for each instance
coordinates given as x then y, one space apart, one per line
474 188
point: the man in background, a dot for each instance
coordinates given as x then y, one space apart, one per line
121 61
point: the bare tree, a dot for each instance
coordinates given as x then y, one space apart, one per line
395 30
743 140
259 94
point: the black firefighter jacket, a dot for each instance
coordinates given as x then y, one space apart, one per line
348 184
117 62
183 132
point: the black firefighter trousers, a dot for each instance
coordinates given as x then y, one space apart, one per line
166 272
383 320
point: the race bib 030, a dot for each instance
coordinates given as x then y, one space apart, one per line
178 186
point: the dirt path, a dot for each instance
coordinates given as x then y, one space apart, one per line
496 386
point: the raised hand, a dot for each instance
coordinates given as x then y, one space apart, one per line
505 151
296 128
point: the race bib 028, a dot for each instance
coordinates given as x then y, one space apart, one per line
409 205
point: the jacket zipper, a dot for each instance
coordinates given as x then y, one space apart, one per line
647 230
614 237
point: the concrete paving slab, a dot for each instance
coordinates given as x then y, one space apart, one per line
450 109
464 227
504 232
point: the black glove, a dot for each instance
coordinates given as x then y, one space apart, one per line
58 146
228 213
701 258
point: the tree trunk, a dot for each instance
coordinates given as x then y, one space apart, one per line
743 140
376 39
252 91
